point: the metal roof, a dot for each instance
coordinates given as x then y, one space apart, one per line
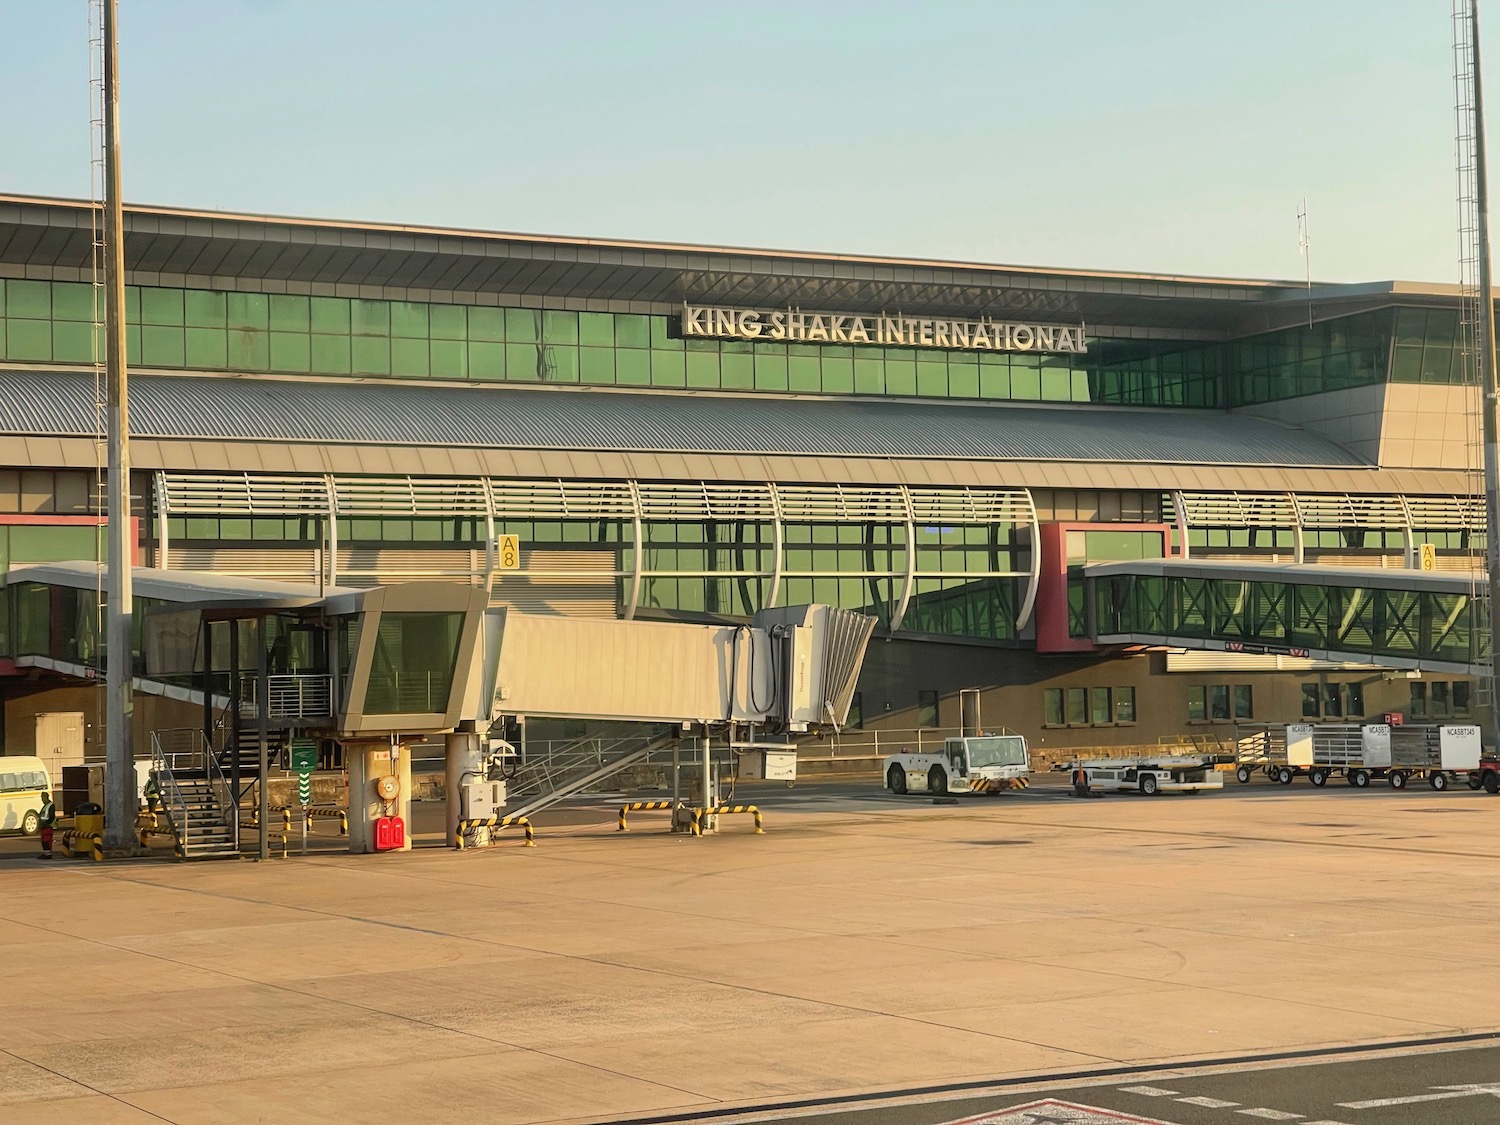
174 585
183 247
57 403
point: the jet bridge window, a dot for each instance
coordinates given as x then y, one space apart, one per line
415 654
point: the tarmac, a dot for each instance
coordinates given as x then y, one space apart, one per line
857 946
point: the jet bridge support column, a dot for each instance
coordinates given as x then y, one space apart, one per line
461 762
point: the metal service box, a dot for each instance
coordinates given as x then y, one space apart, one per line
769 763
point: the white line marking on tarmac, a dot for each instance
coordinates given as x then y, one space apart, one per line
1148 1091
1468 1091
1271 1114
1208 1103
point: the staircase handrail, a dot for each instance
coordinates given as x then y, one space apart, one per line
166 786
224 794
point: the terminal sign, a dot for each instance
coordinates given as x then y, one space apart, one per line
508 552
882 329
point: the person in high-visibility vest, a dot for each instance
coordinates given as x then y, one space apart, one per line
47 819
1080 782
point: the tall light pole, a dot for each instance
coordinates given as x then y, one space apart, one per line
119 760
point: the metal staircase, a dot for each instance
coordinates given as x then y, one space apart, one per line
195 795
546 779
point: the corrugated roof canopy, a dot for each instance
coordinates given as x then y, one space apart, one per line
61 403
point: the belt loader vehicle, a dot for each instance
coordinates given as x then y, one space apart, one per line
989 763
1360 753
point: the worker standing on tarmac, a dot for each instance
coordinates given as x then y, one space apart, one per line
47 819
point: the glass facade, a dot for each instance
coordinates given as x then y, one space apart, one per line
1407 624
209 330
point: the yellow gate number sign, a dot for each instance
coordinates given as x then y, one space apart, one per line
1429 557
510 552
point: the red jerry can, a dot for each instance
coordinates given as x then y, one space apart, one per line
390 833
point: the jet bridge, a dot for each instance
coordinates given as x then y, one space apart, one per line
786 672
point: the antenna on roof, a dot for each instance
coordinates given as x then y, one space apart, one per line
1304 247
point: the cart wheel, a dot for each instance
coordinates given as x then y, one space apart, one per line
1438 781
895 781
1360 779
1475 781
1491 782
1242 775
1318 778
1284 775
1148 785
1397 779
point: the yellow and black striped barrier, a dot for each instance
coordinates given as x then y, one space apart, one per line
284 810
642 806
95 840
316 813
720 810
143 835
995 785
467 826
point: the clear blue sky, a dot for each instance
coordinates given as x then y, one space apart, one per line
1172 135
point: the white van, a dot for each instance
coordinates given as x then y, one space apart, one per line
23 780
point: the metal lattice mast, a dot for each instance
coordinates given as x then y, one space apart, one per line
1478 315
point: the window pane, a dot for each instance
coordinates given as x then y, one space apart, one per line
1437 699
927 708
1243 703
1418 706
1124 704
1099 705
1218 697
1052 707
1460 697
1197 704
412 672
1354 696
1077 706
1310 701
1333 706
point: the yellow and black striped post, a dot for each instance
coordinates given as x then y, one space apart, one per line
640 806
316 813
720 810
467 826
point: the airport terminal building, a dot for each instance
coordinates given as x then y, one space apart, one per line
655 431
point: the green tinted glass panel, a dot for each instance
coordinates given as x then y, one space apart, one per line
330 315
162 346
290 313
486 361
207 348
632 367
486 324
448 322
449 359
331 355
596 365
409 359
248 311
560 327
29 299
632 331
370 355
291 351
73 301
668 369
409 320
525 363
596 330
369 318
203 309
72 342
523 326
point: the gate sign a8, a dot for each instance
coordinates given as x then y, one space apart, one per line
508 552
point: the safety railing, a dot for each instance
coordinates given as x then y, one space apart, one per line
700 815
297 695
466 828
186 751
397 694
643 806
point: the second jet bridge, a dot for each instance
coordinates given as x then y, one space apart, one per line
1407 619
